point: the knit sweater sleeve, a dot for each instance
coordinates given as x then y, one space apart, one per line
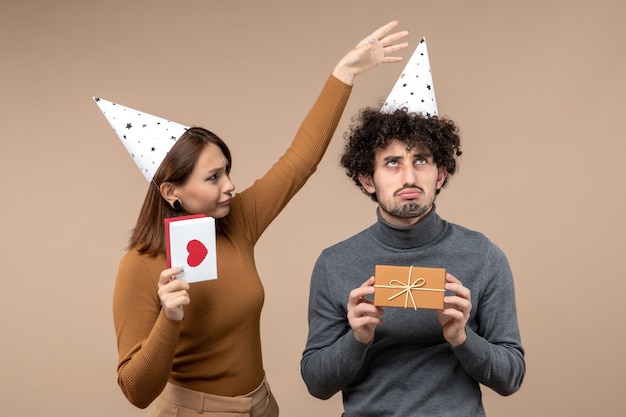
146 338
493 354
333 356
266 198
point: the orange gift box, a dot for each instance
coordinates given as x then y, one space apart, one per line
409 287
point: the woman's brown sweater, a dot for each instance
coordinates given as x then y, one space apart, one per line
216 348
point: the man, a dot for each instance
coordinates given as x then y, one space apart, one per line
401 361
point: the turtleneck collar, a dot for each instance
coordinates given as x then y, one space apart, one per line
426 231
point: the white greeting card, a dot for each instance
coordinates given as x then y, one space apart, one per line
190 243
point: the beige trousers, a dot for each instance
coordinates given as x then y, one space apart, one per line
176 401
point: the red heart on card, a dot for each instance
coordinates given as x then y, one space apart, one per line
197 252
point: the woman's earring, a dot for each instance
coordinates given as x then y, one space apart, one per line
176 204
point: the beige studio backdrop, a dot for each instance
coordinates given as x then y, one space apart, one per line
536 86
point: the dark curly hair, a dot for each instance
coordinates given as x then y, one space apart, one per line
372 130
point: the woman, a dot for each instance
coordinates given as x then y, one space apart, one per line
197 347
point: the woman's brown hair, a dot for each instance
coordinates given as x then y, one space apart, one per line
148 235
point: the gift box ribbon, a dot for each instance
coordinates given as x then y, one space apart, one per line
408 288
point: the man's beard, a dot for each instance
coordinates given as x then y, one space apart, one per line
406 210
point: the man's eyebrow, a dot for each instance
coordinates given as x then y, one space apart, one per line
391 158
423 154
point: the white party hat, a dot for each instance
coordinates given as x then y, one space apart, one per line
414 88
147 138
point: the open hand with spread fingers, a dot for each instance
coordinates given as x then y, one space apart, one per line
374 49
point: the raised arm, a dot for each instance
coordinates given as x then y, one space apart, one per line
261 203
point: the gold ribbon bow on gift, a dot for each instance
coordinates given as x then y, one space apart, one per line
408 288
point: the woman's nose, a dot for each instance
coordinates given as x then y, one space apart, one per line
230 186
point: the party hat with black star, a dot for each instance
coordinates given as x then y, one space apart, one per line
414 89
147 138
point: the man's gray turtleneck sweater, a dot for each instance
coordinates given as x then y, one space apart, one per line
409 369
